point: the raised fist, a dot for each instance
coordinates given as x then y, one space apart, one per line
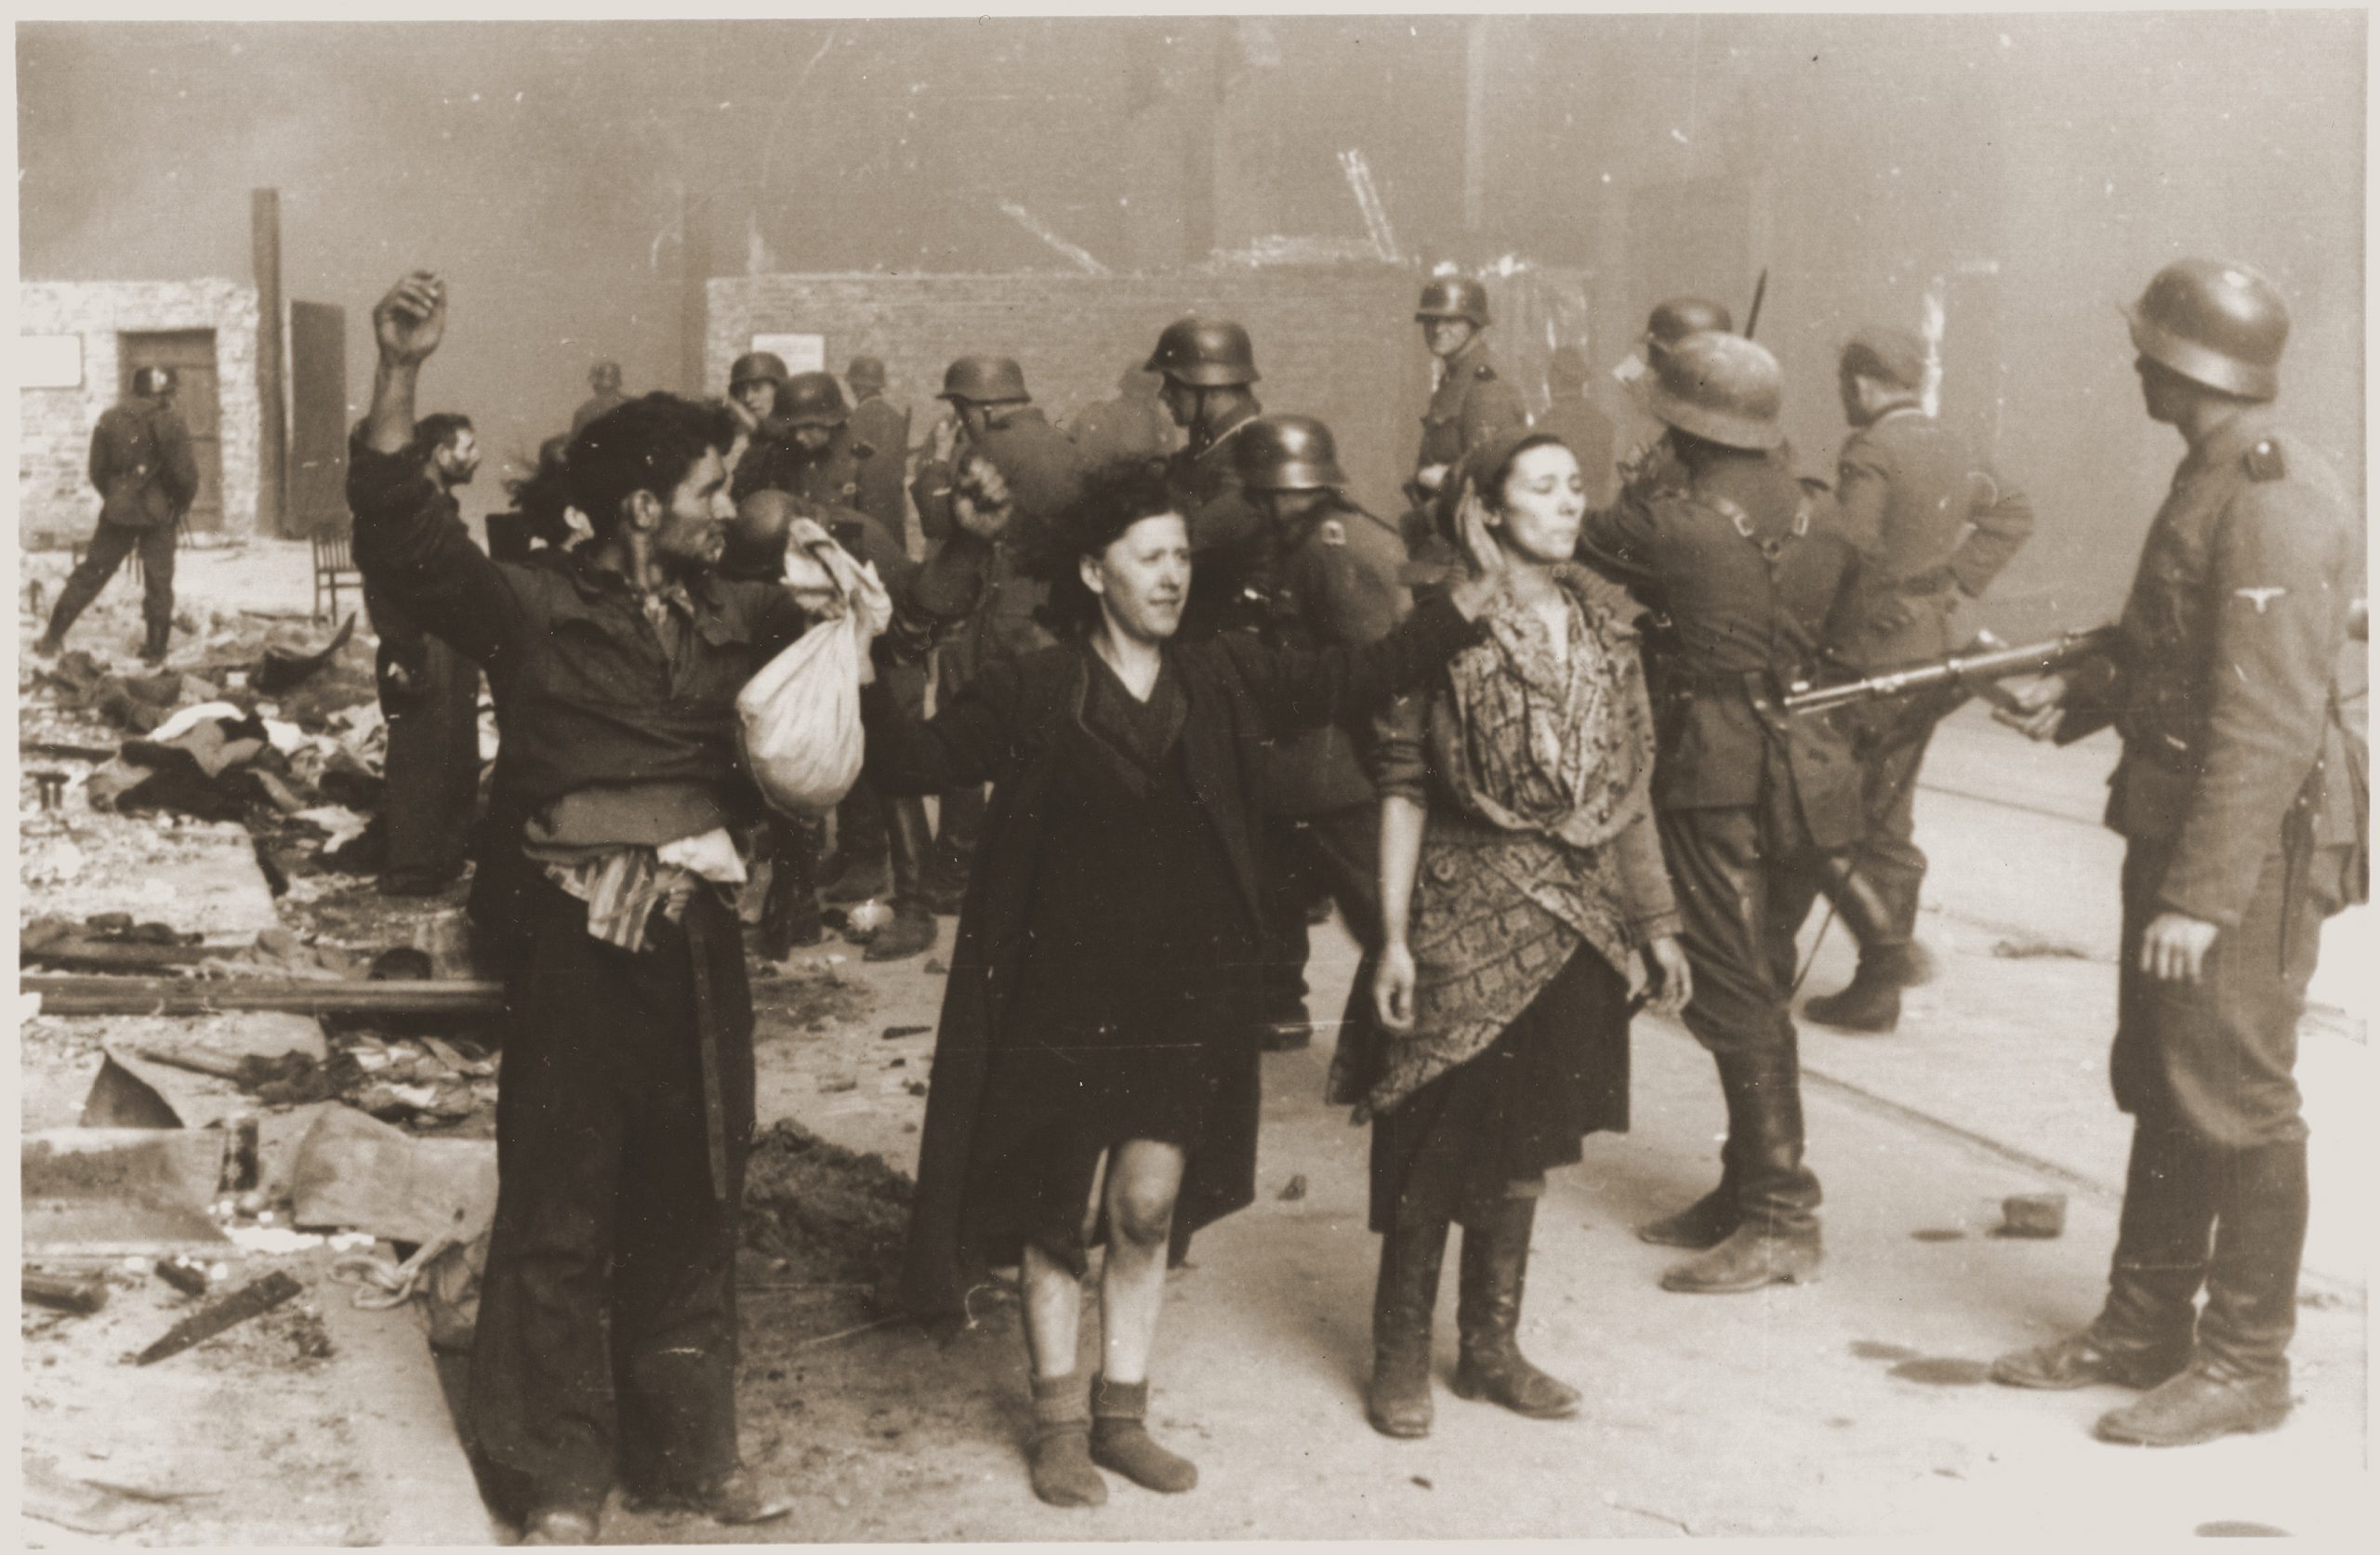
410 321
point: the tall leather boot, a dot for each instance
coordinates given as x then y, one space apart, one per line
1709 1219
911 932
790 915
2237 1379
1777 1241
154 646
1405 1303
1888 960
2144 1332
861 840
1495 1268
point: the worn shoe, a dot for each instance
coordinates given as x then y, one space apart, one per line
1494 1274
48 646
857 882
1703 1224
555 1526
911 932
1753 1257
2198 1406
1119 1439
1404 1305
1059 1449
738 1499
2085 1358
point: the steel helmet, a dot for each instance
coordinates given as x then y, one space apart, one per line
1887 353
2215 324
985 380
866 372
152 382
1205 353
1682 316
1287 453
755 366
1566 366
813 399
1721 388
1453 296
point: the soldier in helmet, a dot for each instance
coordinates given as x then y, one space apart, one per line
2238 796
1001 471
753 385
1746 564
1473 402
805 447
1646 463
1572 417
147 477
1932 523
1334 579
1208 366
881 427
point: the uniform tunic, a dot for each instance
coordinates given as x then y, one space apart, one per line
2237 792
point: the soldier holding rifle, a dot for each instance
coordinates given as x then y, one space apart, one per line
2240 797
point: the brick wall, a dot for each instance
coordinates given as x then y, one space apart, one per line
1335 342
53 498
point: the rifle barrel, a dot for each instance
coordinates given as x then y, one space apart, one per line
1986 664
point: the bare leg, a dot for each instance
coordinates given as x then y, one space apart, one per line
1144 1179
1053 1313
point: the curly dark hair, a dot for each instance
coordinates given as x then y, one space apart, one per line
1114 495
436 431
645 445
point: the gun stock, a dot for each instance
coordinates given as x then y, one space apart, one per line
1987 660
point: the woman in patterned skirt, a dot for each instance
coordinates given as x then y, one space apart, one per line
1525 907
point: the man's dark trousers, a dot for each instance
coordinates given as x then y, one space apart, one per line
433 769
110 542
607 1331
1335 854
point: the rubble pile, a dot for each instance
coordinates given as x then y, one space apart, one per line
820 1214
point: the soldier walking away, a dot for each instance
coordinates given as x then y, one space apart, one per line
1931 523
604 380
1572 417
998 467
431 697
883 428
1647 465
1335 580
146 477
1208 366
1132 426
2241 797
1472 403
1751 804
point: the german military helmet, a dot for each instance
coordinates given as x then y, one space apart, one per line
756 367
1453 296
1205 353
1888 353
1682 316
813 399
155 381
2219 324
985 380
866 372
1721 388
1287 453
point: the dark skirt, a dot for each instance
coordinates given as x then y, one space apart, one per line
1455 1148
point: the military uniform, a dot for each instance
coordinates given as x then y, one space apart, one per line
1586 433
146 476
1473 403
1230 550
829 478
1335 581
882 429
1931 523
1752 577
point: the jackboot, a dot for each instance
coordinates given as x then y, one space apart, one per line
911 932
1495 1268
861 840
1775 1242
1710 1219
2238 1378
1404 1306
1120 1439
1870 1001
2145 1330
154 646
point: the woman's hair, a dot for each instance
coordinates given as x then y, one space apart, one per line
543 497
1114 495
1485 469
648 444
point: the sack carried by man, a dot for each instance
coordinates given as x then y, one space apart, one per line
799 714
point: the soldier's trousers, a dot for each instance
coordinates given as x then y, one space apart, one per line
1889 857
1306 859
110 542
1741 893
2218 1057
607 1332
433 771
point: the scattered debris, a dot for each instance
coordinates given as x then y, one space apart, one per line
351 1172
185 1274
833 1084
2032 950
894 1034
455 999
68 1293
1293 1190
821 1212
111 1189
2041 1215
249 1302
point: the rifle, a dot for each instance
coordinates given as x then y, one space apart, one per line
1986 659
1759 296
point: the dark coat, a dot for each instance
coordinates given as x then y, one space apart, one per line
883 428
1003 728
142 465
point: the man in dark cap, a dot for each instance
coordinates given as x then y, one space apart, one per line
1571 416
2242 796
604 380
1932 523
146 476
